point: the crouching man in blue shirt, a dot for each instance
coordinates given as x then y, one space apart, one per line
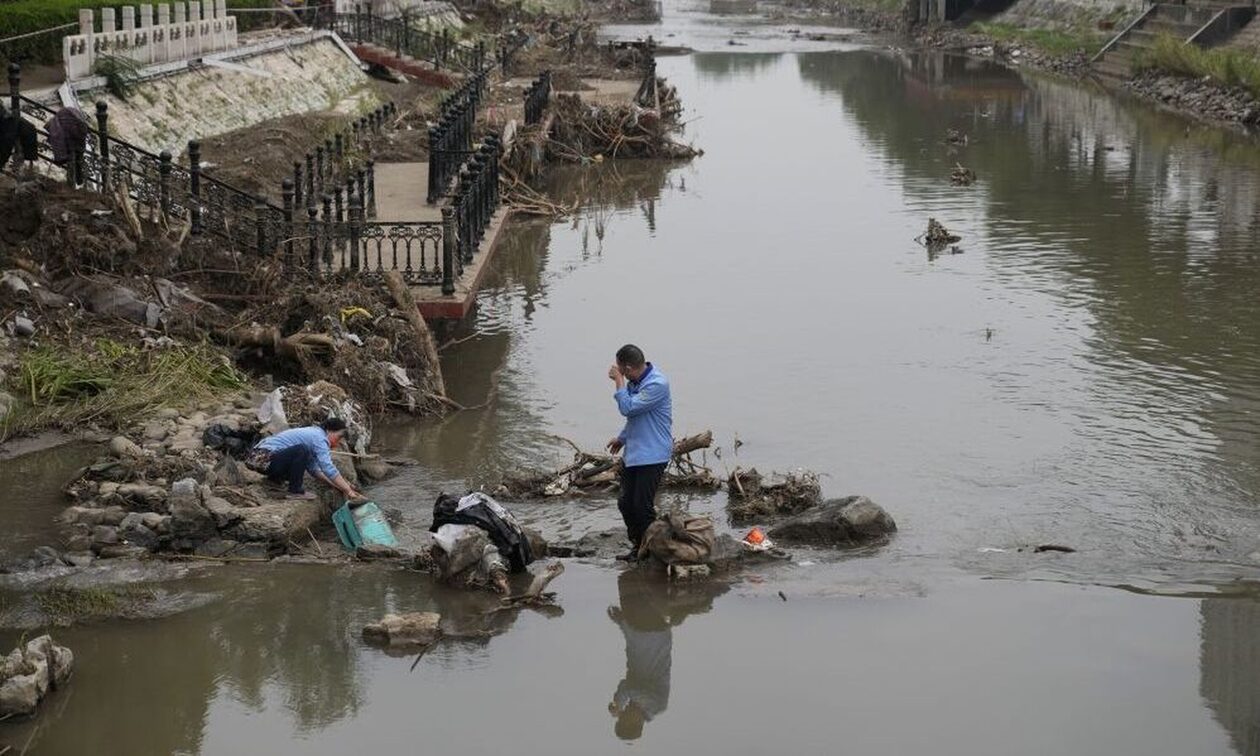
287 456
643 399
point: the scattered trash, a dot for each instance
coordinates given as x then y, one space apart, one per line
937 236
1053 547
782 595
756 540
955 137
991 550
363 524
962 176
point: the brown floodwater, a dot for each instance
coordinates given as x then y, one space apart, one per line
1085 371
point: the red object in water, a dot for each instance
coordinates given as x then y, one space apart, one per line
755 536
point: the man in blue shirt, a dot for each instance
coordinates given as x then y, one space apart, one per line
287 456
642 397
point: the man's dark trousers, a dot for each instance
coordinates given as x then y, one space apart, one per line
638 498
290 466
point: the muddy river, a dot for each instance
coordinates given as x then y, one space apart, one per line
1083 370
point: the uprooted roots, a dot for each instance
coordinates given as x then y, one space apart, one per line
754 497
582 131
598 472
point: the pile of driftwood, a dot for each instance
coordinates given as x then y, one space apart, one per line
962 175
597 472
582 131
937 236
757 497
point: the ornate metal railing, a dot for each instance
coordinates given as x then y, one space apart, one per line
398 34
450 140
324 221
536 98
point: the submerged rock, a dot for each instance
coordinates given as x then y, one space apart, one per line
415 629
29 672
851 521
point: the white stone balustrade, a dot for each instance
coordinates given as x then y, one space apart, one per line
188 33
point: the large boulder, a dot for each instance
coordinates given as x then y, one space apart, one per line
851 521
29 671
189 517
415 630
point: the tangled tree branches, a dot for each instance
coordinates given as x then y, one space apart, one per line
595 471
583 131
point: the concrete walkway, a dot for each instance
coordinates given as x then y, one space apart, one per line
401 189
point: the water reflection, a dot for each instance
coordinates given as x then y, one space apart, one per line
1229 660
647 614
716 67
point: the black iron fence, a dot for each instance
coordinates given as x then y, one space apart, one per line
343 160
442 50
536 98
450 140
324 221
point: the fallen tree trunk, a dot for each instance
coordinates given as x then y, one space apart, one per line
601 471
402 297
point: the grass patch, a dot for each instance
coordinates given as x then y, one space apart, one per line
112 384
66 606
1229 67
1051 41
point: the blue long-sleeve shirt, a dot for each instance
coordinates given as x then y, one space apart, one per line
316 442
646 405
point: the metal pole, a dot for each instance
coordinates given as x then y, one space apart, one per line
102 141
356 221
164 183
194 185
286 191
15 90
448 251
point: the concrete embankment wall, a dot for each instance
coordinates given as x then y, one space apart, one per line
1037 14
165 113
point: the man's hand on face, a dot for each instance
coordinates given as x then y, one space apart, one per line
614 374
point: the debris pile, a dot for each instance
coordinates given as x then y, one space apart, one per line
583 131
600 472
937 236
754 497
962 176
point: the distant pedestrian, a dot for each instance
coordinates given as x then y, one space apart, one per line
287 456
643 398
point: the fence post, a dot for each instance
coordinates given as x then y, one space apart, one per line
102 141
370 198
194 185
297 184
312 231
339 146
319 172
309 194
328 225
362 181
15 90
358 24
260 218
356 221
286 191
164 183
448 251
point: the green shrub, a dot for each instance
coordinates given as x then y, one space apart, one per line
1227 66
1051 41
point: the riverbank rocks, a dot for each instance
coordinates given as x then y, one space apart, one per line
29 672
412 630
1203 98
851 521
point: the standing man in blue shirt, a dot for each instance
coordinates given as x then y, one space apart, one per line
287 456
643 399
